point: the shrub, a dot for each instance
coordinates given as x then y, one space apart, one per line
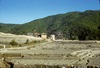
35 41
13 42
20 45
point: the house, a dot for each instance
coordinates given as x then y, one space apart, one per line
53 37
44 36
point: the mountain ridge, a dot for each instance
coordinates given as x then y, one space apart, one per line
68 24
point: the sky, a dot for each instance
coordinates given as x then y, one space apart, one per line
23 11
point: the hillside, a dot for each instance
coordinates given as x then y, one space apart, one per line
72 25
7 28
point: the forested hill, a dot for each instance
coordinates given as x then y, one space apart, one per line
7 28
72 25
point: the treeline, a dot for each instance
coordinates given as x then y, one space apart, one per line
72 25
7 28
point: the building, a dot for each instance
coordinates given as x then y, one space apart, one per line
44 36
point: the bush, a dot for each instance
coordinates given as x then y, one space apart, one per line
20 45
13 42
35 41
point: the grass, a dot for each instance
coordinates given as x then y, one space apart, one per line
1 47
27 43
34 42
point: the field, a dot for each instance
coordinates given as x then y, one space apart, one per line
49 54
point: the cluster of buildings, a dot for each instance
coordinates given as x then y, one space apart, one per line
42 35
56 36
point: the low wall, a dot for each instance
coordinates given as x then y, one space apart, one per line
77 41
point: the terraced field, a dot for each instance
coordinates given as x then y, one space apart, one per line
6 38
52 54
48 54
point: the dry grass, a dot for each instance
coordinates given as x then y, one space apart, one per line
2 65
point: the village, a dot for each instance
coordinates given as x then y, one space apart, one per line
49 34
45 36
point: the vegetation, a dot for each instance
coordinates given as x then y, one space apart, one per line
7 28
34 42
13 42
72 25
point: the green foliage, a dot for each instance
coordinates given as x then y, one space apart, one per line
7 28
13 42
99 27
